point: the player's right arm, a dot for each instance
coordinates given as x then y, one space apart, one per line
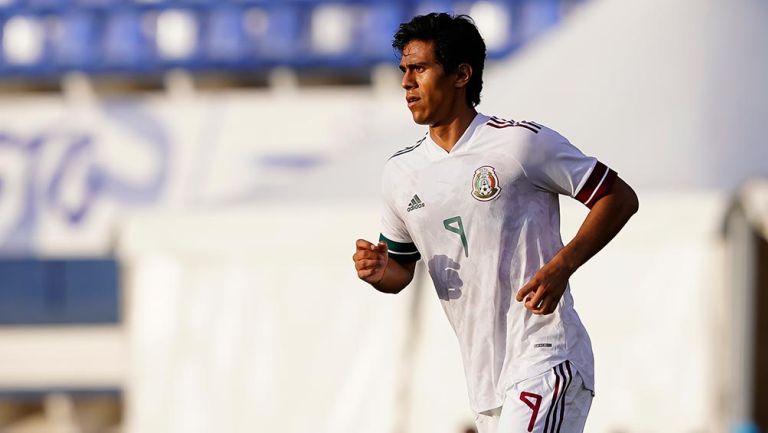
374 267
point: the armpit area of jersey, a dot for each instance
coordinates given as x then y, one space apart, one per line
401 252
597 185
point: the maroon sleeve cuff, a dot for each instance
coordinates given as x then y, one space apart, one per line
597 185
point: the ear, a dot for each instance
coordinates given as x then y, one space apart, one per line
463 75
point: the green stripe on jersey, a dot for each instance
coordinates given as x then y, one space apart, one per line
400 251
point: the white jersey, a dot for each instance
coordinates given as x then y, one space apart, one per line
485 217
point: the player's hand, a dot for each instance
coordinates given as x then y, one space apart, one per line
370 261
543 292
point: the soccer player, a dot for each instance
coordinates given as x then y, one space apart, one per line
477 199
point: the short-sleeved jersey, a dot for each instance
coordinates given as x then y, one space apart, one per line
485 218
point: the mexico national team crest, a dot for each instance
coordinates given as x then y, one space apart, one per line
485 184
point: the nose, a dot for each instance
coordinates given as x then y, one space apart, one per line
408 82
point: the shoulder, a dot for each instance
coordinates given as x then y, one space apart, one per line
401 166
526 130
525 127
406 159
522 136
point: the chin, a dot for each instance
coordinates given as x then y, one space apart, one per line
420 119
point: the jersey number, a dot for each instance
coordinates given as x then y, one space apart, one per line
455 225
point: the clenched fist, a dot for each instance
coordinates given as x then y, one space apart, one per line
370 261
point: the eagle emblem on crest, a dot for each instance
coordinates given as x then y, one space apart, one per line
485 184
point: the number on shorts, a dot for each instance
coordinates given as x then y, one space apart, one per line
533 401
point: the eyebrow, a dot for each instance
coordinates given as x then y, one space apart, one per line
411 65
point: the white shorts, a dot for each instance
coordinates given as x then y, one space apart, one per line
553 402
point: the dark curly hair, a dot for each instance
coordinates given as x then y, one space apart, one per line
456 41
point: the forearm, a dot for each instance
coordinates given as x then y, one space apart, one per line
604 221
396 277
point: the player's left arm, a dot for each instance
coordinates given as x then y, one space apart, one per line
607 216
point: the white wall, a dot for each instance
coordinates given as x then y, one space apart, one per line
255 321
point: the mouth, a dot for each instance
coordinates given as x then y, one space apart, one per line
412 100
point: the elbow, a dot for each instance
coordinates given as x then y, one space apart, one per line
389 290
394 284
632 203
626 196
401 285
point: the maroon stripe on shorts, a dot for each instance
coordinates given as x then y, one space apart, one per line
569 379
552 404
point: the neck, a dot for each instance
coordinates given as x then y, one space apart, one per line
445 134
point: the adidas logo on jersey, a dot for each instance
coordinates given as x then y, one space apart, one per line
415 203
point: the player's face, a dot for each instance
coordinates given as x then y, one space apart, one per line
429 92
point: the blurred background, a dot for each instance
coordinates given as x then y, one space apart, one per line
182 183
